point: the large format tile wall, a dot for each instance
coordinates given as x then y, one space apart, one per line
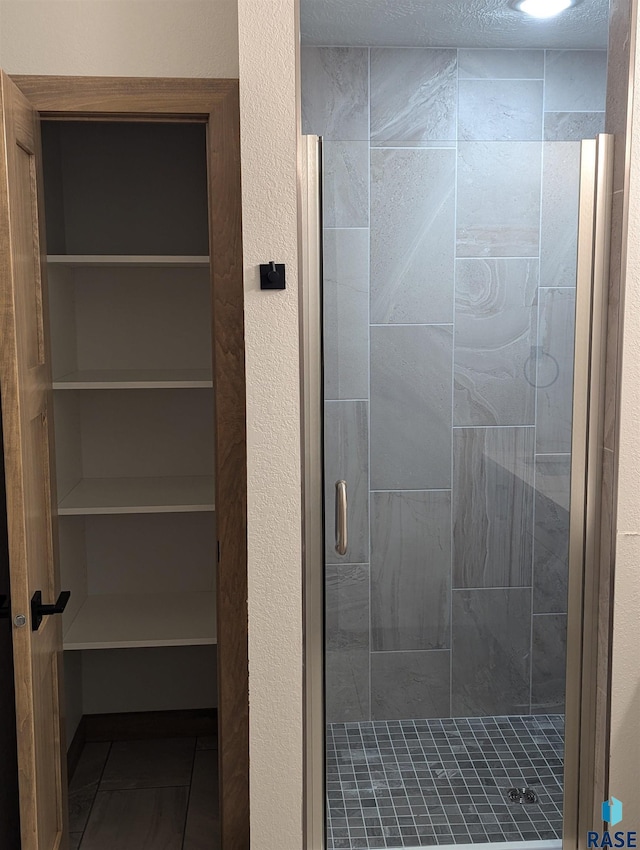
450 214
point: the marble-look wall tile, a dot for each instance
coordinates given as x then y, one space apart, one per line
548 660
412 236
335 92
575 80
491 647
555 371
572 126
411 379
484 64
347 457
410 685
492 506
559 221
500 110
409 181
346 314
410 570
347 642
495 327
499 199
551 534
345 186
413 94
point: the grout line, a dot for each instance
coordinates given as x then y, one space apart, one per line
411 147
490 427
186 811
412 325
453 377
574 112
98 784
408 651
404 490
369 495
502 79
551 288
496 587
537 343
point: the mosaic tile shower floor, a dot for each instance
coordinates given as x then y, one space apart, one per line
421 783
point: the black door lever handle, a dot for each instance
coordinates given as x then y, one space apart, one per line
38 610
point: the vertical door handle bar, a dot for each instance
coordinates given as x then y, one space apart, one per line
342 533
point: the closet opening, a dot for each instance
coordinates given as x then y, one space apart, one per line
124 420
130 325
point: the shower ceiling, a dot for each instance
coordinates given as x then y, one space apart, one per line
450 23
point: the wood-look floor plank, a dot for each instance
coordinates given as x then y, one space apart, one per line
141 819
149 764
202 831
84 784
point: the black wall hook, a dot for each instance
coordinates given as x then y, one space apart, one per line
272 276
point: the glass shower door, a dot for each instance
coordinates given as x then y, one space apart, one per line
449 303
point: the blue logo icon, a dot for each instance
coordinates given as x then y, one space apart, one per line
612 811
612 814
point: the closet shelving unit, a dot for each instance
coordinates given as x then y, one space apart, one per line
131 378
133 402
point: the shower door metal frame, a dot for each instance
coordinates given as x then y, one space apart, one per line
586 479
310 232
592 284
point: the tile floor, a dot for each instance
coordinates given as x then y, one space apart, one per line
419 783
145 795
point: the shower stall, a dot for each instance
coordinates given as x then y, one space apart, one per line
451 194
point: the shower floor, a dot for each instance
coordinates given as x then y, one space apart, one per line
420 783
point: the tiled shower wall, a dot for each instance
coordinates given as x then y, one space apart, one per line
450 214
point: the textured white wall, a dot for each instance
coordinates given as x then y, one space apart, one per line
135 38
200 38
267 38
625 706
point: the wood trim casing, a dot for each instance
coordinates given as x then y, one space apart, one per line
217 103
126 96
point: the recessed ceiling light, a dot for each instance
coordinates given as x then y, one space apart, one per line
543 8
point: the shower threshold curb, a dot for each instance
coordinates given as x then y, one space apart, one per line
519 845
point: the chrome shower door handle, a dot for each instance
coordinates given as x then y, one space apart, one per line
342 534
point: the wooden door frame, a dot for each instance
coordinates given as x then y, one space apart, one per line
215 102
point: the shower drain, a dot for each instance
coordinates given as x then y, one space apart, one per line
522 795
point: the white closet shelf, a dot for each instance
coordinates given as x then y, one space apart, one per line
139 496
149 260
123 379
144 620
